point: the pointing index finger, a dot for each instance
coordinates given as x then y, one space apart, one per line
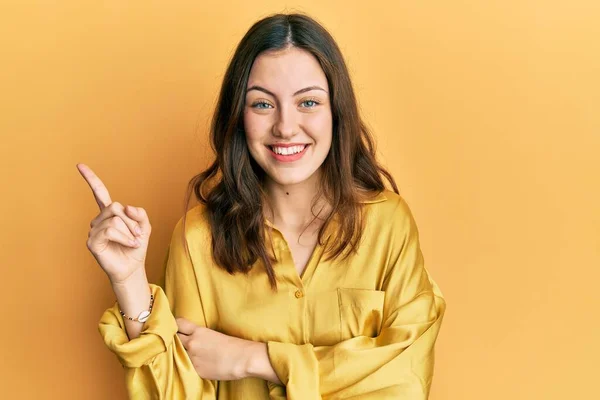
100 191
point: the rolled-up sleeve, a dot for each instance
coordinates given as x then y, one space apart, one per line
156 364
396 364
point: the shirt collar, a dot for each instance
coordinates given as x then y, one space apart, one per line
375 199
380 197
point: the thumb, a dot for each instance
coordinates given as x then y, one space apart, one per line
139 215
185 326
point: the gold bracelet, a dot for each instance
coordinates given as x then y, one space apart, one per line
144 315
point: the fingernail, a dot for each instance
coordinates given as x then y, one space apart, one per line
138 230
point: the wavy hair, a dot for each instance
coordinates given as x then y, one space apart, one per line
235 197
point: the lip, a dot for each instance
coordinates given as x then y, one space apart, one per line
290 158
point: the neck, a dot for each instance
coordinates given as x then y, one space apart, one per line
290 209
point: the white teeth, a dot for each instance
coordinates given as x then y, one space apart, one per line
286 151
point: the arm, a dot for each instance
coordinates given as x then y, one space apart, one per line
156 363
398 363
133 296
258 364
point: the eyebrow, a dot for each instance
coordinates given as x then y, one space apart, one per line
306 89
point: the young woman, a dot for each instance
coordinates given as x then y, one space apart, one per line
299 275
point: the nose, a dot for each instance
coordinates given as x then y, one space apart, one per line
286 125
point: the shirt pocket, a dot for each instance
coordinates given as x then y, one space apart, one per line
361 312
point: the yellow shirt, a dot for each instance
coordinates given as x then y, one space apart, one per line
363 328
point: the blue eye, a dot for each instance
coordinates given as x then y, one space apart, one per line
313 103
261 103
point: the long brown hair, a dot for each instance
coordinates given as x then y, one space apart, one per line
234 200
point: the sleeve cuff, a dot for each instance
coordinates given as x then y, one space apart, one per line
156 335
296 367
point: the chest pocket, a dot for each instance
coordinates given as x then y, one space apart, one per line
360 311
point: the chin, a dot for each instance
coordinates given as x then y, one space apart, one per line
287 179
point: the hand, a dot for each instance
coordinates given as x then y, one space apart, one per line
215 356
113 231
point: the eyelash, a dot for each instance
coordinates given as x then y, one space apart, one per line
254 105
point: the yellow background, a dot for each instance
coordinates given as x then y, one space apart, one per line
486 112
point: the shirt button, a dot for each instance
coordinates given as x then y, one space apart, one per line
299 294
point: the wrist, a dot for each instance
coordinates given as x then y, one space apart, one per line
136 278
258 364
133 295
251 364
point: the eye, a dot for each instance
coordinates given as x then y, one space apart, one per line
261 105
310 103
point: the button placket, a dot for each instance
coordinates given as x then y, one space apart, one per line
284 256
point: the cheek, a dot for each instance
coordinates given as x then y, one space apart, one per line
255 126
320 127
255 131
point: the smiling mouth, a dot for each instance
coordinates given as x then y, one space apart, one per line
287 154
288 150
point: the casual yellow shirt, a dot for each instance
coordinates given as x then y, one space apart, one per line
364 328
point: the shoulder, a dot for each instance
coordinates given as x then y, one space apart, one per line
197 225
389 211
387 202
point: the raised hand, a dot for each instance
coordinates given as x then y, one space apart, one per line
119 236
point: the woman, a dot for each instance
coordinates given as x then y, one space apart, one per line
298 275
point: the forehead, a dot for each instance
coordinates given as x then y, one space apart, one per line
285 71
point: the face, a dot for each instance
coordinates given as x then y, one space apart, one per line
287 116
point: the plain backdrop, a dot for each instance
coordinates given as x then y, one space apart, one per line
486 113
